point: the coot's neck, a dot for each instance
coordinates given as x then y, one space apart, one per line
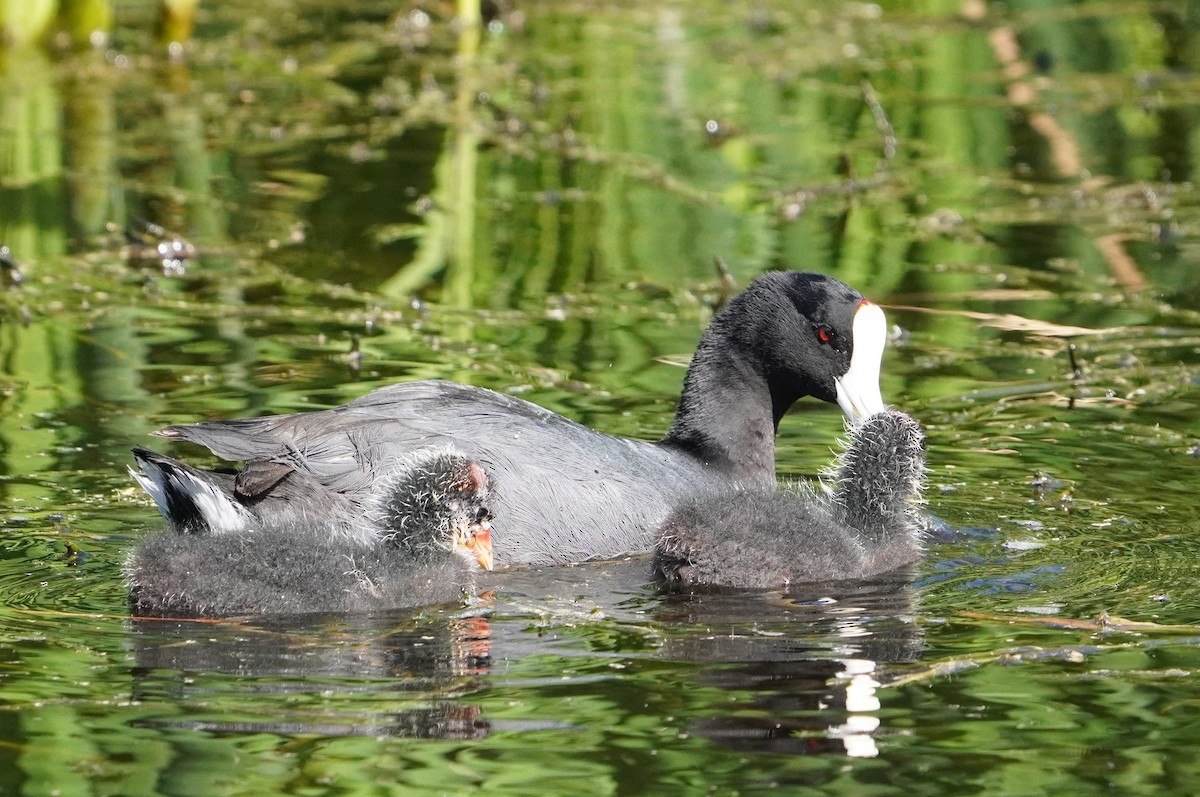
727 415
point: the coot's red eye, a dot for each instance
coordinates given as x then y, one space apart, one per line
824 334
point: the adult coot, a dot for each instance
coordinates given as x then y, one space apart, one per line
767 539
567 493
431 531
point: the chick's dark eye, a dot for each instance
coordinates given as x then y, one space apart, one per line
482 514
825 334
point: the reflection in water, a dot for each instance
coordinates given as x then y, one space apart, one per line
447 720
435 659
427 652
802 666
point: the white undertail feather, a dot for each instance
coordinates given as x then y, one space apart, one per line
152 488
221 514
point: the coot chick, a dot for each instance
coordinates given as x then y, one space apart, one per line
431 532
568 493
760 539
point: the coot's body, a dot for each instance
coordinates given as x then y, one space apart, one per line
282 572
763 539
432 525
567 493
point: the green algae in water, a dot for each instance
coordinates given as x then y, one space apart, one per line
377 197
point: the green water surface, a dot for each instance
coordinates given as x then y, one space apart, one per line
378 194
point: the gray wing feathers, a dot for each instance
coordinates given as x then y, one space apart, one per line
564 492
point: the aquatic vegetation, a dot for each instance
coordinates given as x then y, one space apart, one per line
375 193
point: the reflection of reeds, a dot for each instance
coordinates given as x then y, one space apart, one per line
448 235
26 21
90 150
178 20
84 22
31 170
87 21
